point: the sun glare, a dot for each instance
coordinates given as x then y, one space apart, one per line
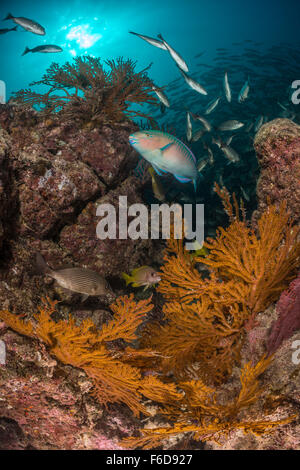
83 36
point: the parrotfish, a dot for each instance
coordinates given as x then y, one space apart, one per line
143 276
166 153
27 24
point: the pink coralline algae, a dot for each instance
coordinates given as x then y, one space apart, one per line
277 146
288 322
45 405
53 175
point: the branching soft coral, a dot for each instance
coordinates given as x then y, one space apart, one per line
265 262
201 413
205 318
86 91
85 346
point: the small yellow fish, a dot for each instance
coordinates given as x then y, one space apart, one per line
143 276
200 250
157 187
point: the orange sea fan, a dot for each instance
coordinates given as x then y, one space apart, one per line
201 413
85 346
265 262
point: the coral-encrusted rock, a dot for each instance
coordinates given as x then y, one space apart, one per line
53 175
46 405
277 145
51 191
109 256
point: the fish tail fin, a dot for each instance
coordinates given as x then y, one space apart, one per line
26 50
126 278
195 184
9 16
42 266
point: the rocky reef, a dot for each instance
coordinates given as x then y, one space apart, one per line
277 146
54 173
53 176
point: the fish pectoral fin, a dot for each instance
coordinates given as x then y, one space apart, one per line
158 170
84 297
165 147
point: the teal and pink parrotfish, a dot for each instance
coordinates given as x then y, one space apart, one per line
166 154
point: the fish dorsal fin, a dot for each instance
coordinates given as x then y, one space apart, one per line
137 270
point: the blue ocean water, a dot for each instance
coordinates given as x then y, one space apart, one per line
251 40
100 28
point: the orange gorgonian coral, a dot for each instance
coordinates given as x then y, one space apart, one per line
205 318
85 346
200 413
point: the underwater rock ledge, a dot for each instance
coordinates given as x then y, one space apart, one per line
277 146
53 174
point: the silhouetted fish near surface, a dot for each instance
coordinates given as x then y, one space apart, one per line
166 153
7 30
152 41
27 24
81 280
46 48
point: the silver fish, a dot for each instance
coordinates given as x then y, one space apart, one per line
245 195
230 153
229 140
7 30
216 141
227 88
189 131
202 164
249 127
243 95
45 48
162 97
211 158
212 105
152 41
198 134
230 125
175 56
258 123
206 124
27 24
193 84
81 280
